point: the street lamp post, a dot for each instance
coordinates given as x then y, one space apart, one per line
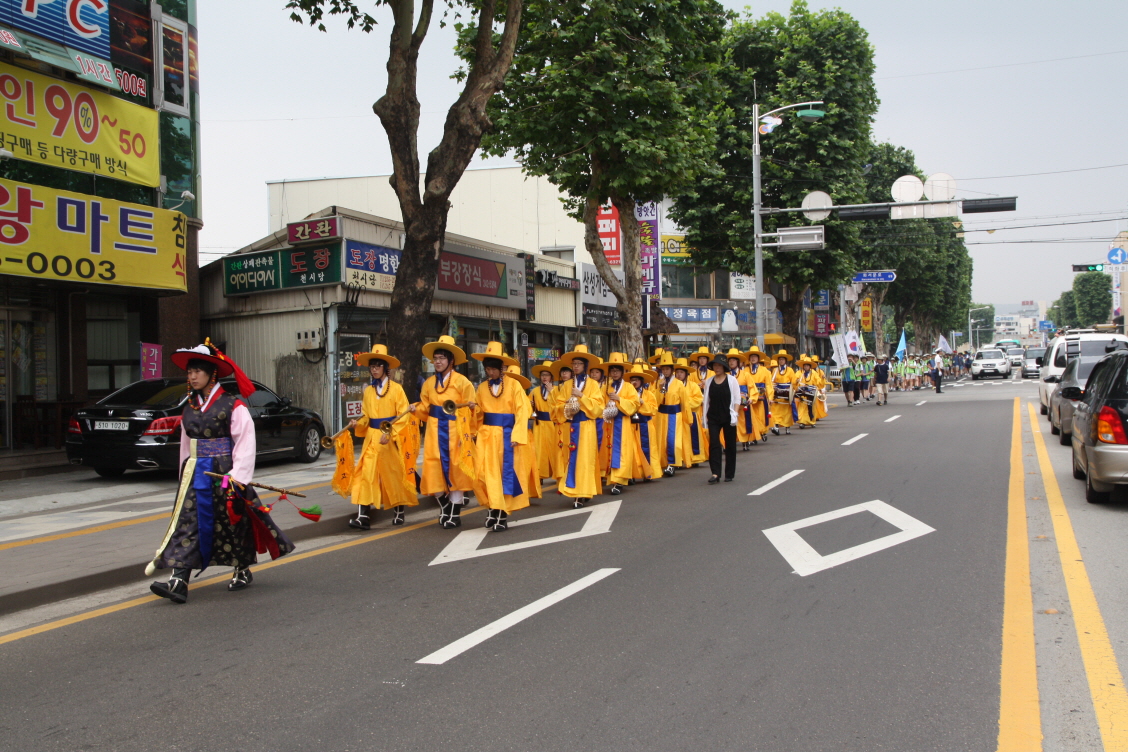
757 227
970 336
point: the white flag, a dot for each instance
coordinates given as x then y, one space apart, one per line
943 345
853 347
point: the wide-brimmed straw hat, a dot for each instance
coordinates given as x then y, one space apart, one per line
497 351
702 351
754 350
618 359
657 356
734 353
638 369
665 359
783 354
445 342
514 372
379 352
224 366
683 364
547 365
582 353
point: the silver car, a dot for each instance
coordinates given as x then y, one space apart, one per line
1100 436
1030 362
1068 391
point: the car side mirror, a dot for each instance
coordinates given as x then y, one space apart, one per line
1052 379
1072 392
286 402
1038 361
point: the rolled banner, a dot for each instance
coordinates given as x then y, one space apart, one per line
346 470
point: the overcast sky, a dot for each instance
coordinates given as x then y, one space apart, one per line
987 91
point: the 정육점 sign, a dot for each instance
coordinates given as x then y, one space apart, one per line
50 234
58 123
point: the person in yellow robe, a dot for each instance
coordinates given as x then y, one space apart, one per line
581 474
620 433
700 370
385 474
558 398
745 425
670 393
807 385
501 423
760 377
820 403
526 455
647 453
546 436
783 395
446 448
695 448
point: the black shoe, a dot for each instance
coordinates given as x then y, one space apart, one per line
241 579
787 431
399 515
754 443
775 430
444 509
491 518
578 503
728 480
615 490
714 479
501 524
669 471
360 522
176 590
453 517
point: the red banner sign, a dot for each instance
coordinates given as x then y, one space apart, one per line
313 230
607 221
459 273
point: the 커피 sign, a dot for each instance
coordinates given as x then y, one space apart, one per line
51 234
55 122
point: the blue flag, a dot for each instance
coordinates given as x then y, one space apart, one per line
901 346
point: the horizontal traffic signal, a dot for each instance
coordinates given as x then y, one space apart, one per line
1088 267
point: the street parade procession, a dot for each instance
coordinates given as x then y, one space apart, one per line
588 427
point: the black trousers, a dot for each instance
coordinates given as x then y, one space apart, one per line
937 377
729 449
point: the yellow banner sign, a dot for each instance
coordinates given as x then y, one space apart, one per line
866 315
59 123
51 234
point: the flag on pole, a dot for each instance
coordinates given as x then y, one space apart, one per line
852 345
901 346
943 345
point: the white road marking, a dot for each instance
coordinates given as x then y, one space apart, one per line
890 420
806 560
848 442
768 487
465 544
458 647
921 403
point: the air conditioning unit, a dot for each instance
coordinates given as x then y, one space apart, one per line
309 339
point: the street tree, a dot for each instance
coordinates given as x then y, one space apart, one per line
612 101
780 60
1062 312
1092 298
424 197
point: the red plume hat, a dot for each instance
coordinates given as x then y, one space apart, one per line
225 366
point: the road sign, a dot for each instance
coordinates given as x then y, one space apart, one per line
957 334
1117 256
816 206
1045 326
885 275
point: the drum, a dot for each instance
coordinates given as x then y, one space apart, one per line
783 392
807 393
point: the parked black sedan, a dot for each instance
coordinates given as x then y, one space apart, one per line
138 426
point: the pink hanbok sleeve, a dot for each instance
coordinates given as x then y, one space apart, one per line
243 452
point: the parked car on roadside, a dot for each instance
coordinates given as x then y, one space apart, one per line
1064 397
1030 361
990 363
1099 436
138 427
1074 343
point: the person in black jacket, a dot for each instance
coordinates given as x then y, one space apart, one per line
881 380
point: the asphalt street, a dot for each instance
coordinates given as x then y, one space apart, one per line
677 616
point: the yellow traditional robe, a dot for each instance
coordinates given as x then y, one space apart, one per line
820 404
695 447
620 439
746 427
761 378
441 471
807 413
581 472
556 400
781 409
500 421
546 434
669 423
648 452
385 473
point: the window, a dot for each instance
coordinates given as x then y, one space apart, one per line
703 282
262 398
1059 356
677 281
171 74
721 281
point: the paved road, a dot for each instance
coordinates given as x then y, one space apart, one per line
666 619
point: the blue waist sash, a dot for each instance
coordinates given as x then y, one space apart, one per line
580 417
214 447
509 483
542 416
747 412
669 409
671 430
444 439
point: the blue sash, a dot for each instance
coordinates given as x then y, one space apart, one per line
509 483
617 443
221 447
377 422
205 506
574 437
437 413
747 412
695 435
671 429
542 416
644 433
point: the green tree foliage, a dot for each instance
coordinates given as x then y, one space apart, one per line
1092 298
613 101
780 60
1062 312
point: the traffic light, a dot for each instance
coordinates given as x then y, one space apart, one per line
1088 267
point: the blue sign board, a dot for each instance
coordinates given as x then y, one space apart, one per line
81 24
883 276
1045 326
683 313
822 300
1117 256
371 258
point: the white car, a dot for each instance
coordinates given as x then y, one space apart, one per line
1074 343
1016 355
990 363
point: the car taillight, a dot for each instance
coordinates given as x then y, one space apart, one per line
1110 429
163 426
74 426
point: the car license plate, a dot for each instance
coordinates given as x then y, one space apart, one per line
111 425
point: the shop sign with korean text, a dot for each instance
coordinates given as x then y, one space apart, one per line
607 225
81 24
865 314
372 267
311 266
51 234
691 314
742 286
472 275
313 230
56 122
822 324
598 306
675 252
649 252
247 273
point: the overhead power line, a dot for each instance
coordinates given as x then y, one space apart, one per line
1002 65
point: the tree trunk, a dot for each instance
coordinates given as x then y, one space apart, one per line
628 294
791 309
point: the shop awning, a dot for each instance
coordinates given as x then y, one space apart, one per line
778 339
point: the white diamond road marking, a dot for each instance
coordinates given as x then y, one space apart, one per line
848 442
890 420
769 486
465 544
806 560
